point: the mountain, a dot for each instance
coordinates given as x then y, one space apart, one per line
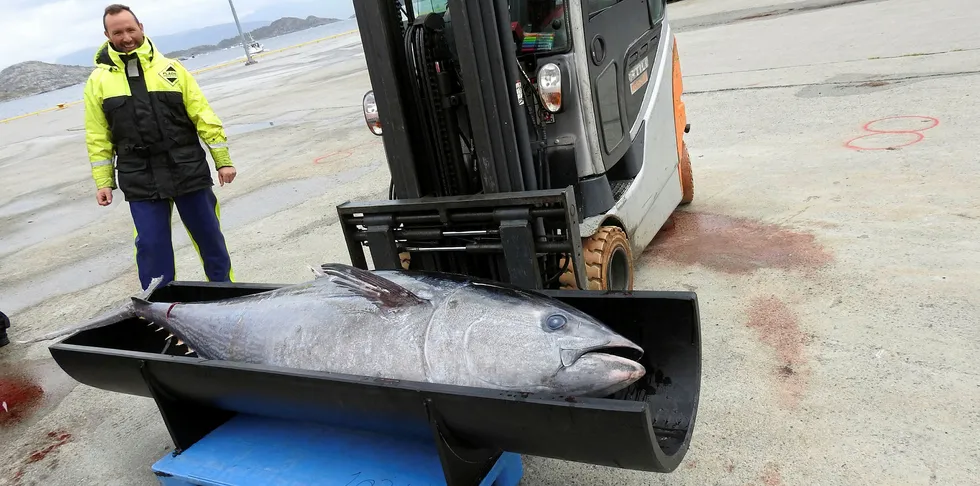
205 35
35 77
283 26
299 9
214 34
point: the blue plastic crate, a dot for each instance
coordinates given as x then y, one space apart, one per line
251 450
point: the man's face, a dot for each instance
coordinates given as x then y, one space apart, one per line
123 31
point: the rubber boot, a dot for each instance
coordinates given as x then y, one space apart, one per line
4 325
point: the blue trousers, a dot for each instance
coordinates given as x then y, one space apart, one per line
200 213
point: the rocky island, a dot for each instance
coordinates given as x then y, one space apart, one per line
34 77
283 26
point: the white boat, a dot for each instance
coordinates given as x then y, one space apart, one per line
254 47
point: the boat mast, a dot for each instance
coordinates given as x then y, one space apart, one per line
248 55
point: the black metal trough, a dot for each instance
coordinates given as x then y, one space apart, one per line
646 427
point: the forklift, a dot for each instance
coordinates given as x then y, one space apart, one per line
533 142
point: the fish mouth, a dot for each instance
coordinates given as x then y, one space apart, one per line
616 346
628 351
602 370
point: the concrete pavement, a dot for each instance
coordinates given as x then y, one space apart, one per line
835 266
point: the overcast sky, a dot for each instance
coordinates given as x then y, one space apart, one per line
42 30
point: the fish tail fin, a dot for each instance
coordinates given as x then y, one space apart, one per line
142 299
126 311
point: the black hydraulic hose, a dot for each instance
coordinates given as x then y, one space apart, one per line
520 118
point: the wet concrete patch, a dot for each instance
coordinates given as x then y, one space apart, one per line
332 218
233 129
748 14
64 280
272 199
296 118
735 245
15 152
853 84
31 202
30 228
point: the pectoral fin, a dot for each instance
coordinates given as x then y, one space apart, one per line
381 291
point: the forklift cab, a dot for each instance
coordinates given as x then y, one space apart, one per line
516 96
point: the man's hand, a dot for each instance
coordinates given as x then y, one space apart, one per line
104 196
226 175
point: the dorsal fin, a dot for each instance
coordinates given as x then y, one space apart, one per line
377 289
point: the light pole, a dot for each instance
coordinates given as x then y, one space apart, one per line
248 55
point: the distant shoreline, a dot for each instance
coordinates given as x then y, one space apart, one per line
283 26
33 78
41 103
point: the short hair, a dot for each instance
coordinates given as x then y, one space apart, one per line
115 9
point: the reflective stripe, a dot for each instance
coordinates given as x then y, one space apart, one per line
100 163
218 145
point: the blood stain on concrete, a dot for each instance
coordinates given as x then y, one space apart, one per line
771 476
19 397
736 245
54 440
777 326
29 389
61 438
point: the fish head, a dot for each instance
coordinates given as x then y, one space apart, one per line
519 340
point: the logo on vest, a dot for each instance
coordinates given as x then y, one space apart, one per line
169 74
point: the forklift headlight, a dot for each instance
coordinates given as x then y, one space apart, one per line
549 86
371 113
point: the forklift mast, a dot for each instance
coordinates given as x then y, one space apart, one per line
467 196
497 155
442 82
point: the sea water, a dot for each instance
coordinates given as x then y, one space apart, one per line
51 99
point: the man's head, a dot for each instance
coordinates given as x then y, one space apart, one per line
122 28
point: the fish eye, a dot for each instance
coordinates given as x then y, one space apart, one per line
556 322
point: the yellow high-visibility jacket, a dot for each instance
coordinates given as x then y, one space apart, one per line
148 113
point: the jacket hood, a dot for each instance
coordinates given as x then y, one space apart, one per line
108 57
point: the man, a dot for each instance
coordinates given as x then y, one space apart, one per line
146 111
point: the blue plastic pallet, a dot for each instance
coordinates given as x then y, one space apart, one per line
252 450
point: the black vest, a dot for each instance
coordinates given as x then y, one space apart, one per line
158 153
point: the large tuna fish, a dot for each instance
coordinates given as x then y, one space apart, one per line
404 325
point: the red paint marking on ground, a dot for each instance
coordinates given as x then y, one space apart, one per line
21 397
915 132
777 326
736 245
343 153
331 155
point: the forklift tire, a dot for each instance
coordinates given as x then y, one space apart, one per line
687 178
608 260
